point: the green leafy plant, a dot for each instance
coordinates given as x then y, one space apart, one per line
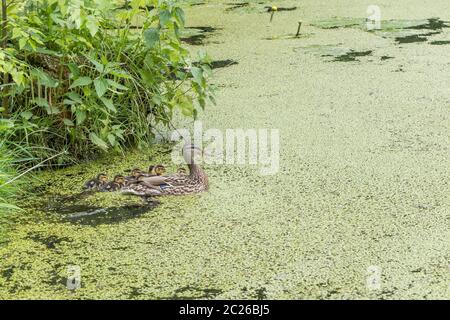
95 75
7 172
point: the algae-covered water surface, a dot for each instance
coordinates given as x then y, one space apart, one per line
362 189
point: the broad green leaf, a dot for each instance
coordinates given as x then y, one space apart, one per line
98 66
120 74
119 135
151 37
41 102
207 70
92 25
197 73
80 116
112 139
104 60
52 110
187 109
157 99
179 14
18 77
147 76
6 124
116 85
57 20
74 96
202 102
164 17
17 33
104 5
212 99
135 4
82 81
44 79
68 122
22 43
87 91
26 115
98 141
73 69
69 102
101 86
75 13
109 104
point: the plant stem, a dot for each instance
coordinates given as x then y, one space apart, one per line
32 168
298 30
4 45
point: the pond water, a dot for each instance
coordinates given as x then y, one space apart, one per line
362 183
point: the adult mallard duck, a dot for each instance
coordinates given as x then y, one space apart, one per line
175 184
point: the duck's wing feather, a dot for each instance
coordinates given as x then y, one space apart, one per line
155 180
172 180
140 190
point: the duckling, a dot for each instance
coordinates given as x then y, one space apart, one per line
135 173
176 184
117 184
96 183
155 170
181 171
159 170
